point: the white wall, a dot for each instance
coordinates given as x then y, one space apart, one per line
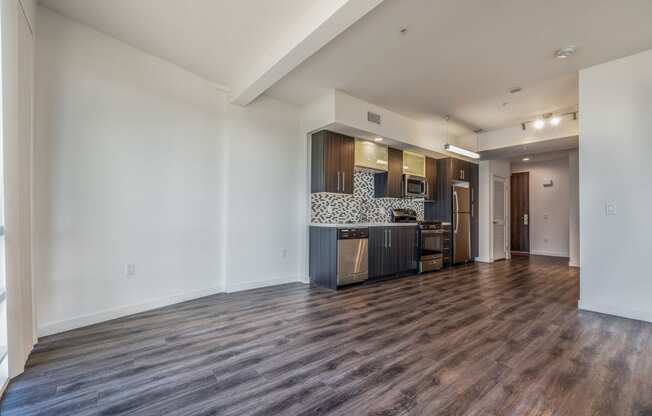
17 137
265 195
549 206
348 115
139 161
615 153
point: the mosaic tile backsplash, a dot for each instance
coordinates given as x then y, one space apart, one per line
361 206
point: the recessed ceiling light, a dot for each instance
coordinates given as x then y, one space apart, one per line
378 139
515 90
566 52
555 121
526 159
538 123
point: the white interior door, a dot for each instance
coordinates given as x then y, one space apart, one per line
499 219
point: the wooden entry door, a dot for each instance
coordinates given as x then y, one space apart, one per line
520 212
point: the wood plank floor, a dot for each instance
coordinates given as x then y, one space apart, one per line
482 339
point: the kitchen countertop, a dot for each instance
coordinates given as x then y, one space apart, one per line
366 224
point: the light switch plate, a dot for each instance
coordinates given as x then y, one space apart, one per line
610 209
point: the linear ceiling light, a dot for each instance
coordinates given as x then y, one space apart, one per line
461 151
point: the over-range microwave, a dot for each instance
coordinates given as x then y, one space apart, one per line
414 186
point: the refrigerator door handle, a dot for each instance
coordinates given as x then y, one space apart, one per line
457 213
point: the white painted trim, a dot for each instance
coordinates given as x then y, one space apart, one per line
109 314
4 387
237 287
615 310
548 253
573 264
484 260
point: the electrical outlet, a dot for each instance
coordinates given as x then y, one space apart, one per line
610 209
381 211
329 209
131 269
545 240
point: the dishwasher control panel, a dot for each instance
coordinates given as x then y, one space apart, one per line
352 233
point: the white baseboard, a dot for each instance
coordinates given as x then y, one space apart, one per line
256 284
615 311
548 253
4 387
484 260
573 264
56 327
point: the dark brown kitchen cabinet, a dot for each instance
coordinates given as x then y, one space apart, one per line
332 161
431 179
392 250
390 184
461 169
449 170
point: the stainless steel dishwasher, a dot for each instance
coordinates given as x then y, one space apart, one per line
352 255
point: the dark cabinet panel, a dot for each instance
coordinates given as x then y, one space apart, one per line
390 184
460 170
347 163
392 250
405 243
395 168
322 267
332 162
377 251
390 262
431 179
441 209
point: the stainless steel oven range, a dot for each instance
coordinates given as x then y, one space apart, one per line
434 245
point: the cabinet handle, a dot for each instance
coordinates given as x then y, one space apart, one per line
390 238
338 180
343 181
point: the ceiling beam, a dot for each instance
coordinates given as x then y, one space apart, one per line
324 21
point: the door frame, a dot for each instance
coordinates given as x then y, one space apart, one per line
512 251
506 208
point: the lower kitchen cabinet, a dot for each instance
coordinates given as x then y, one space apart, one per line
392 250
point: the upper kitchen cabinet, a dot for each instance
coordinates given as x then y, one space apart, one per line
414 164
389 184
461 170
371 155
431 179
332 162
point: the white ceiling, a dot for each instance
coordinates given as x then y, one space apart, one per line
216 39
460 57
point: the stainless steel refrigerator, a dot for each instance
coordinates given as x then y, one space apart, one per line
461 222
